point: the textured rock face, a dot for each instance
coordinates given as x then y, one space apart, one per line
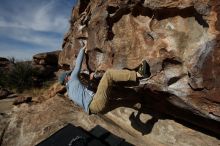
29 124
46 63
4 62
179 40
4 93
49 58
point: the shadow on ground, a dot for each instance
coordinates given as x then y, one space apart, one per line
156 105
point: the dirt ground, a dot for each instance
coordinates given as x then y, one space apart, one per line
6 105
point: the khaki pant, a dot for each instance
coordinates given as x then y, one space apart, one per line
100 99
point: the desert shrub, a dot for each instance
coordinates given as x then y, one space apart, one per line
3 78
20 76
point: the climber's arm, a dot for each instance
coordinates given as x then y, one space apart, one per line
78 63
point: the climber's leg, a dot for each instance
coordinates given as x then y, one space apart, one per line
100 99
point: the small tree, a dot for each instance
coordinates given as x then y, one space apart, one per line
20 76
3 78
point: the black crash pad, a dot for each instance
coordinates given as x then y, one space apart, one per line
71 135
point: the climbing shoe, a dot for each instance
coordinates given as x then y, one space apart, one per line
144 69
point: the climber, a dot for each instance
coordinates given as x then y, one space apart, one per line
87 99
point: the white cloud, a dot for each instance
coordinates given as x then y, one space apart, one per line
43 17
43 20
20 52
31 37
34 26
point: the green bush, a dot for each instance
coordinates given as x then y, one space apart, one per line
20 76
3 79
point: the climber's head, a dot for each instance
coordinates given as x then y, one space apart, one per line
64 77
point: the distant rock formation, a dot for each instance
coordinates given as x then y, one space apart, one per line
179 39
4 62
5 65
46 63
47 58
4 93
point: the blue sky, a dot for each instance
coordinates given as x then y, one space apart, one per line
28 27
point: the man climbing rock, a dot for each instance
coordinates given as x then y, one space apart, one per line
87 99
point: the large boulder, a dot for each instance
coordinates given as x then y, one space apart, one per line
30 124
4 93
4 62
178 39
46 63
4 121
48 58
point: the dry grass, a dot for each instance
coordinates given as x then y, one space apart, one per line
35 92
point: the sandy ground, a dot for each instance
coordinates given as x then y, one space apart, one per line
6 105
